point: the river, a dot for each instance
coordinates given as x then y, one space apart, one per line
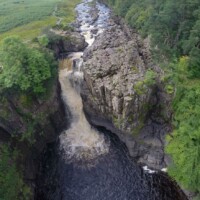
91 163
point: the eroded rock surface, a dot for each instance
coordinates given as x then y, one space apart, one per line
64 42
123 92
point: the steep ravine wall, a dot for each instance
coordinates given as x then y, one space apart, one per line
123 91
46 117
63 42
29 123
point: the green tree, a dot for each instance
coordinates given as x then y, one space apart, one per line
23 68
174 30
184 143
192 46
43 40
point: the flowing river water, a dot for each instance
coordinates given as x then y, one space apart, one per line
88 163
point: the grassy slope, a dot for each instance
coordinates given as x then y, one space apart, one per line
12 185
16 13
28 18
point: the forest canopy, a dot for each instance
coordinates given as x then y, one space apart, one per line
174 31
23 68
174 26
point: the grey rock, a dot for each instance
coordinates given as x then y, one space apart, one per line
66 42
113 67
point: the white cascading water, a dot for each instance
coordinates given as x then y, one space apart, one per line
80 141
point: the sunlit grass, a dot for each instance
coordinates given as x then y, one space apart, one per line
34 28
31 30
20 12
66 10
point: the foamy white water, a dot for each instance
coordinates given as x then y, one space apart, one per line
80 141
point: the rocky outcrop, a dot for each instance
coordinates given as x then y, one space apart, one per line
123 92
64 42
28 124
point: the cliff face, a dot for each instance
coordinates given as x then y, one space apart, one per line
63 42
122 91
16 110
29 124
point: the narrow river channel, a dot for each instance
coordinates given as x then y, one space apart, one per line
91 163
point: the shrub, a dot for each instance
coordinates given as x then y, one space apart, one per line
23 68
149 80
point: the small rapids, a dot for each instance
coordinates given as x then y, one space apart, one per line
91 163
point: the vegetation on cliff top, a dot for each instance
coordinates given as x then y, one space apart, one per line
23 68
184 143
17 13
174 30
24 72
28 18
27 69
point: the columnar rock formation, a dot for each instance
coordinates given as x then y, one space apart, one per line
122 91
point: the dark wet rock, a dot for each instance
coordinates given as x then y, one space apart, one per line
75 25
113 68
47 117
64 42
16 108
94 31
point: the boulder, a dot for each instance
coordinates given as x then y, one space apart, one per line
65 42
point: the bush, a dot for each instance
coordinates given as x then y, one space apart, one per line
43 40
23 68
184 143
149 80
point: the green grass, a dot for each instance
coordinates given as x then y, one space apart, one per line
27 18
19 12
66 10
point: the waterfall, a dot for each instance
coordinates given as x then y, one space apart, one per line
81 141
93 164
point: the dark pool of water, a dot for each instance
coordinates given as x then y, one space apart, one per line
113 176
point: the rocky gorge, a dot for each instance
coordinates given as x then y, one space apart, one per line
123 91
128 112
